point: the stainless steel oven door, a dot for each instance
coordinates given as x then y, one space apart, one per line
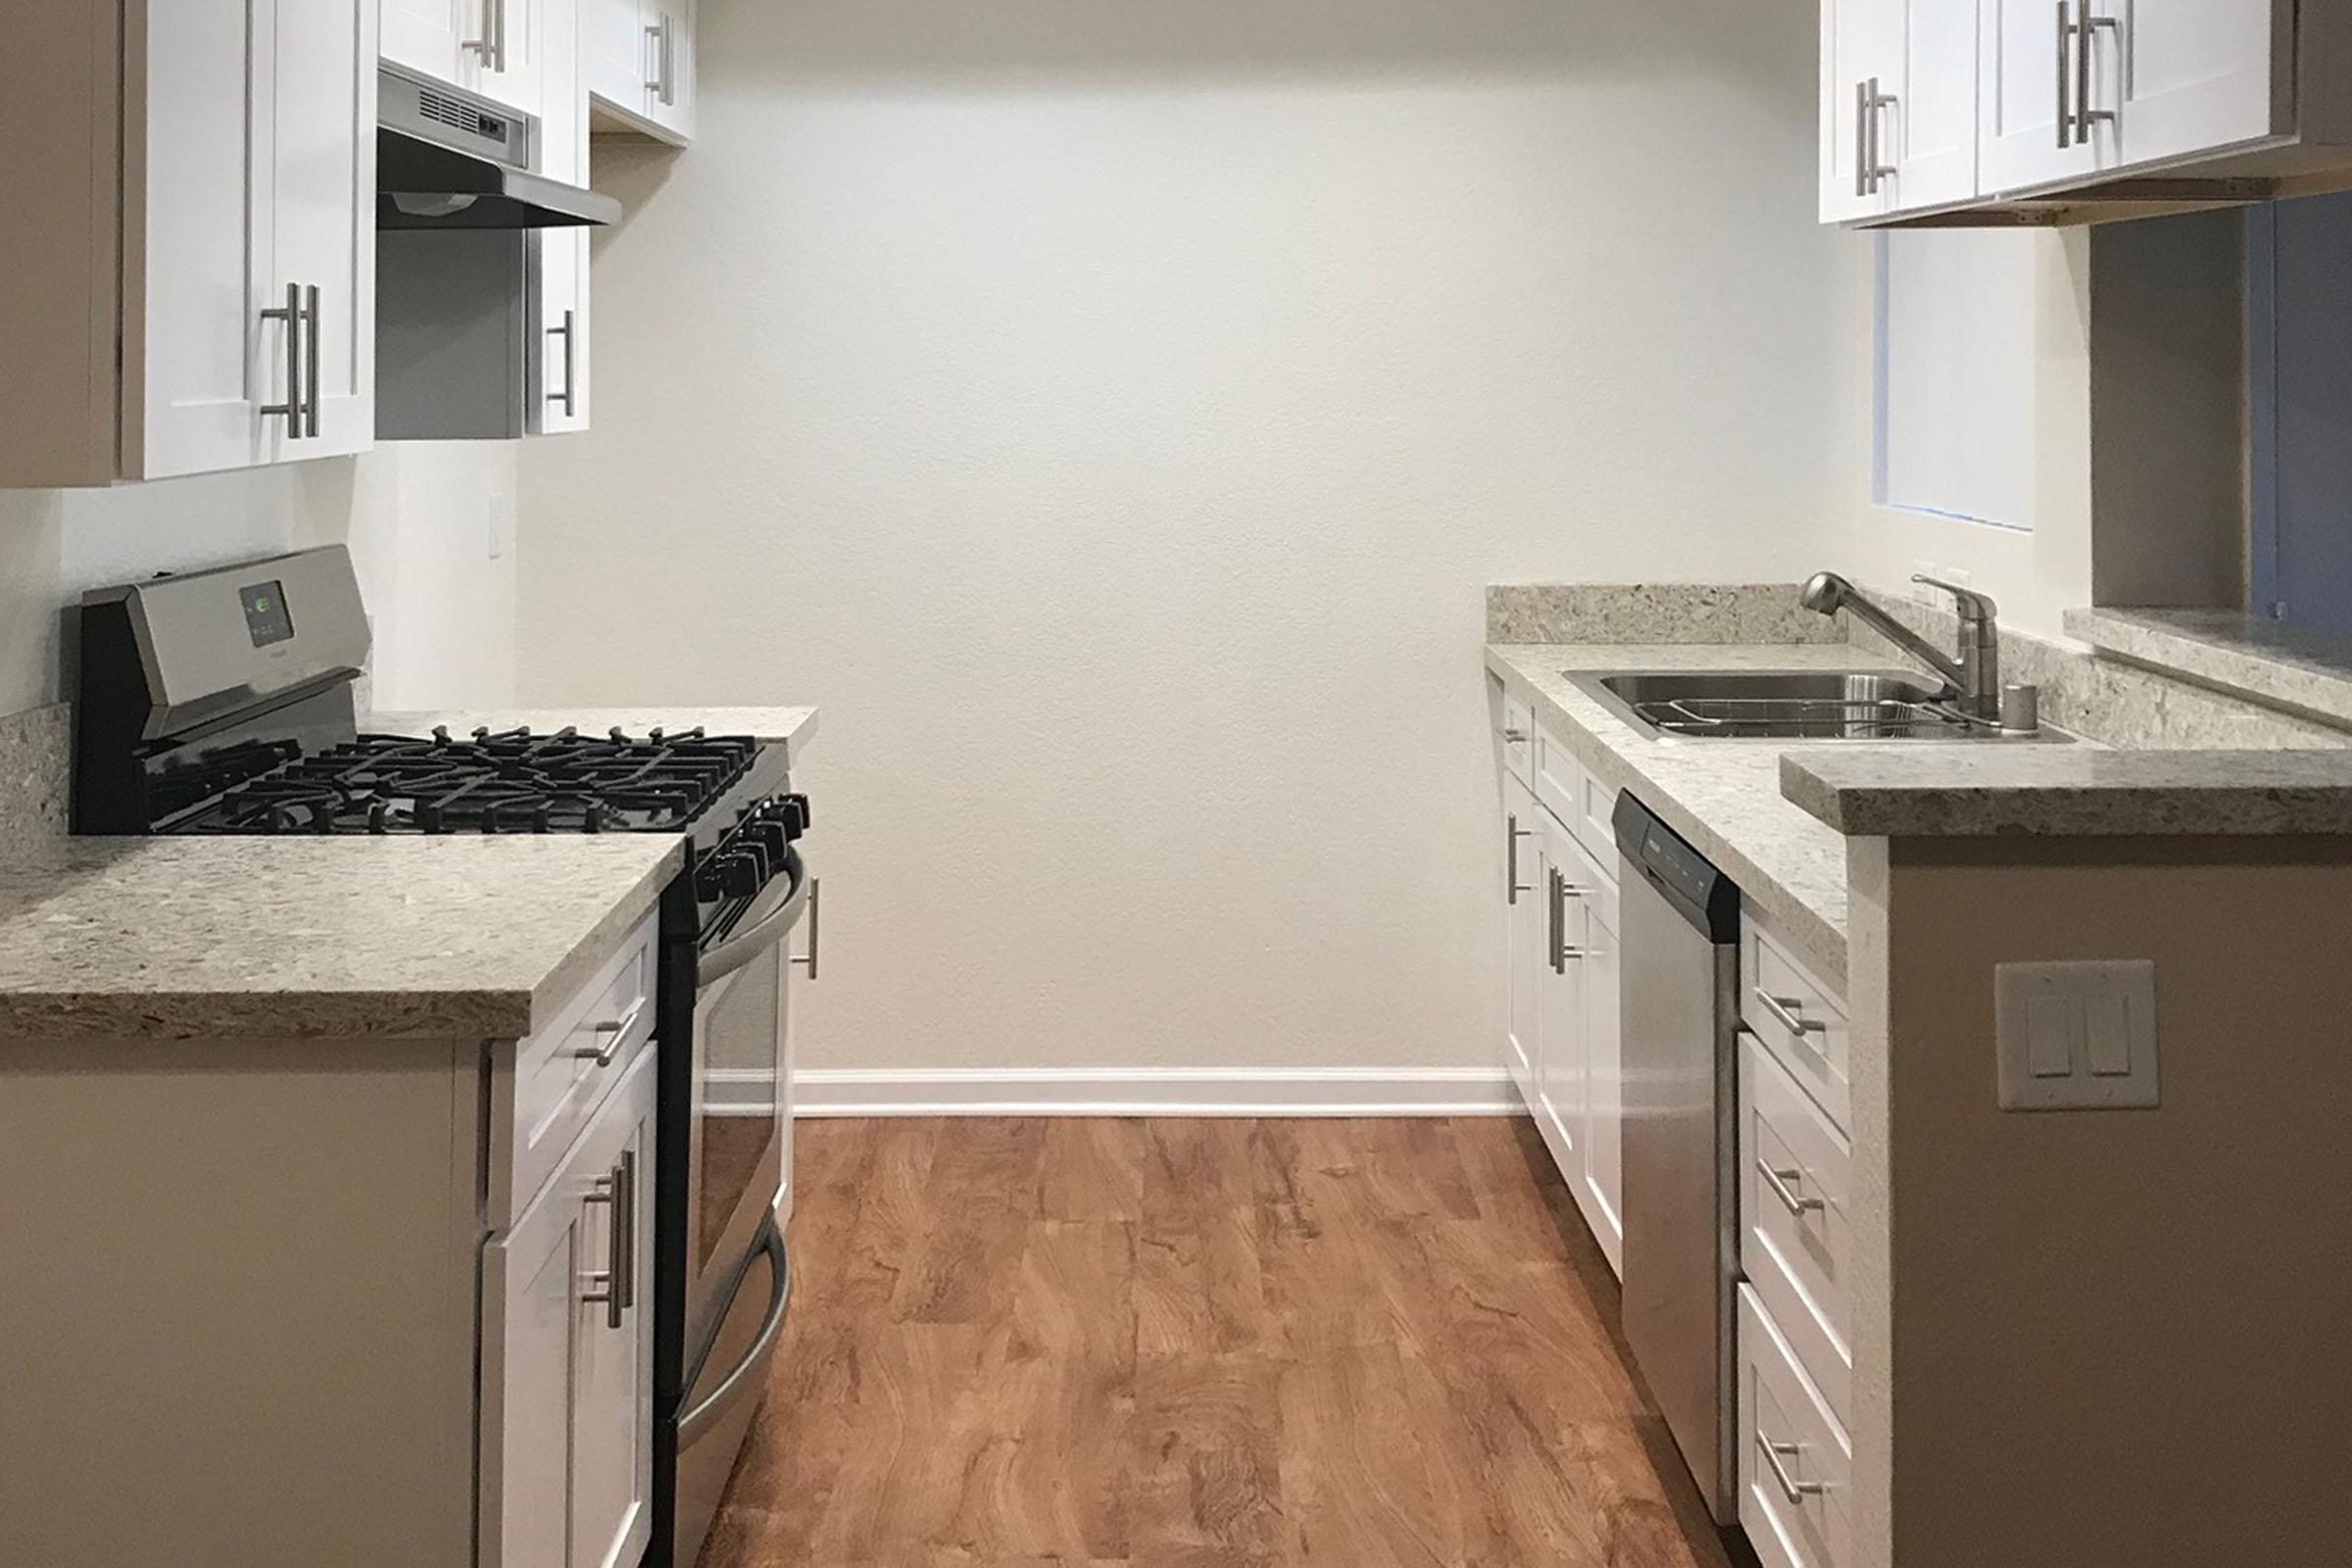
736 1133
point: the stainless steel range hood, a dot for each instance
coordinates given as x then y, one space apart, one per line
446 159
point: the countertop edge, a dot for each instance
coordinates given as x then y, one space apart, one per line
1820 943
2164 803
2258 661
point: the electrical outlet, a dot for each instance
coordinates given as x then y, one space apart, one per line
2076 1036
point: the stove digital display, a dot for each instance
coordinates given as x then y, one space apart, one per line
266 616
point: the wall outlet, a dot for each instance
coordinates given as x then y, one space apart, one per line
2076 1036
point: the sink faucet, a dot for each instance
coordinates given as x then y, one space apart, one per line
1972 680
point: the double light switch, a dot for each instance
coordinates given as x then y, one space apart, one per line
2076 1036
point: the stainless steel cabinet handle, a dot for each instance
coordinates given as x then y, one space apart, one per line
486 45
618 1190
291 313
614 1031
310 374
1555 921
1512 737
1784 1015
1778 1181
624 1264
571 362
1776 1455
1880 103
664 86
2066 123
2087 28
1511 840
817 898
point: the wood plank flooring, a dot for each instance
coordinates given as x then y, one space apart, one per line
1183 1343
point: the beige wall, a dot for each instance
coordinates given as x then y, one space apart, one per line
417 518
2116 1339
1112 416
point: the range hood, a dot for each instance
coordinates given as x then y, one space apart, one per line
446 159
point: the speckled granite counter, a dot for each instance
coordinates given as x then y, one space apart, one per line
793 727
1725 798
415 938
2292 668
2069 790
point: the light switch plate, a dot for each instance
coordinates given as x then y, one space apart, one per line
2077 1035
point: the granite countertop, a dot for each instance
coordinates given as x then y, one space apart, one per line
2070 791
2307 672
1723 797
792 727
405 938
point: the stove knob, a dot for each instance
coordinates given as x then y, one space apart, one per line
732 875
793 812
769 836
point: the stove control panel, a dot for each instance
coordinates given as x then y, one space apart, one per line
751 856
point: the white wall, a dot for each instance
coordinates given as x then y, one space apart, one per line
1112 414
413 515
2035 576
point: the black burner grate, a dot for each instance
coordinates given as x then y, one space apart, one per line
509 782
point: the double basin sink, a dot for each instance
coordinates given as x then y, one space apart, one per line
1792 705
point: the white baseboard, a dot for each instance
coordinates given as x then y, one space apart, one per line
1160 1091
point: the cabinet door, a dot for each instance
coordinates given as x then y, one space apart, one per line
505 49
1860 46
613 1403
1931 131
199 359
1603 1193
1560 1070
425 35
2204 77
618 51
321 178
1523 929
558 385
674 99
567 1394
2027 70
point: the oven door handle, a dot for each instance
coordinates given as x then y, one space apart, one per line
699 1420
764 933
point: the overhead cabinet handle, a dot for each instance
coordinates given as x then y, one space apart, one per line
310 375
571 360
289 312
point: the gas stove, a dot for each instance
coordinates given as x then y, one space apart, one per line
511 781
223 702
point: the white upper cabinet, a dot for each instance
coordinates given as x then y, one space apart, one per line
558 382
2190 78
1861 71
640 66
1933 133
1898 105
2029 127
1933 105
228 238
492 48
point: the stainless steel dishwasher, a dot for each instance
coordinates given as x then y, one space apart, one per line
1680 956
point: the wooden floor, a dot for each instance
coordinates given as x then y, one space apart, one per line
1181 1344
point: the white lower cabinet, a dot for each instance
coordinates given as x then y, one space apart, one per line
1561 961
1795 1461
566 1354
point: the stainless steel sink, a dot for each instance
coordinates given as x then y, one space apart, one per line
1818 705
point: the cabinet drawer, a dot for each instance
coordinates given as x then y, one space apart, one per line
1514 730
563 1073
1795 1464
1593 883
1594 801
1795 1237
1559 778
1800 1021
